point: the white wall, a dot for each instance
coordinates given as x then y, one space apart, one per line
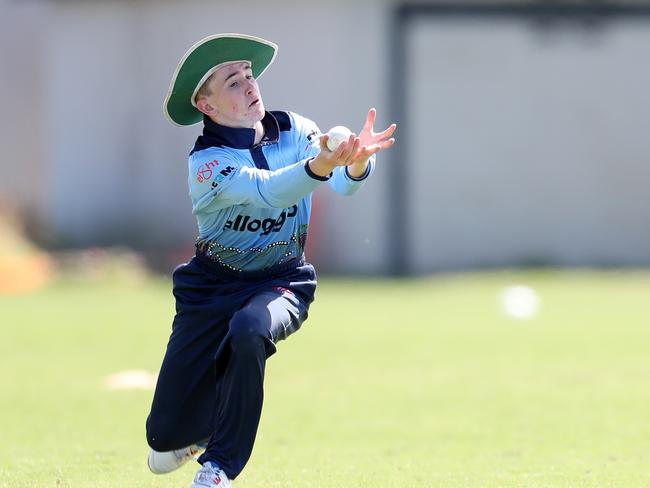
528 147
22 152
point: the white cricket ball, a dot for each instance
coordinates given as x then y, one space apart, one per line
336 136
520 302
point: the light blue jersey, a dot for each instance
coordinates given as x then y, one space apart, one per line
252 201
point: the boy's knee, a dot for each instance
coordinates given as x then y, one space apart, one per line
249 333
161 435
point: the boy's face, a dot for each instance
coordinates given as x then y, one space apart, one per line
235 99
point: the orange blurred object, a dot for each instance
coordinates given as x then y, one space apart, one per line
23 273
23 267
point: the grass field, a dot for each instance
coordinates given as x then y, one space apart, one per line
414 383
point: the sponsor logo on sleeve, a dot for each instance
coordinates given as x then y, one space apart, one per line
206 170
209 171
221 175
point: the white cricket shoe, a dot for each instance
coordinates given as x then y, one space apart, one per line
166 462
211 476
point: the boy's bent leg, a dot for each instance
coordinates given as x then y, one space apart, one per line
182 410
253 331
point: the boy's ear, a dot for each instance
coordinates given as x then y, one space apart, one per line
204 106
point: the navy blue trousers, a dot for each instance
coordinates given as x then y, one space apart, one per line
210 386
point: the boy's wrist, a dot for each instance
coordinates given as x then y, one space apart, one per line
320 167
358 170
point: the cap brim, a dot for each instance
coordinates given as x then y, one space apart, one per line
201 58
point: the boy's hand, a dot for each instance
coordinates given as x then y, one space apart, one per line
355 152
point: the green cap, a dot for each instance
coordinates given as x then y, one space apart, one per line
203 59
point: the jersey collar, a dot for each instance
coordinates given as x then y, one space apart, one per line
216 135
